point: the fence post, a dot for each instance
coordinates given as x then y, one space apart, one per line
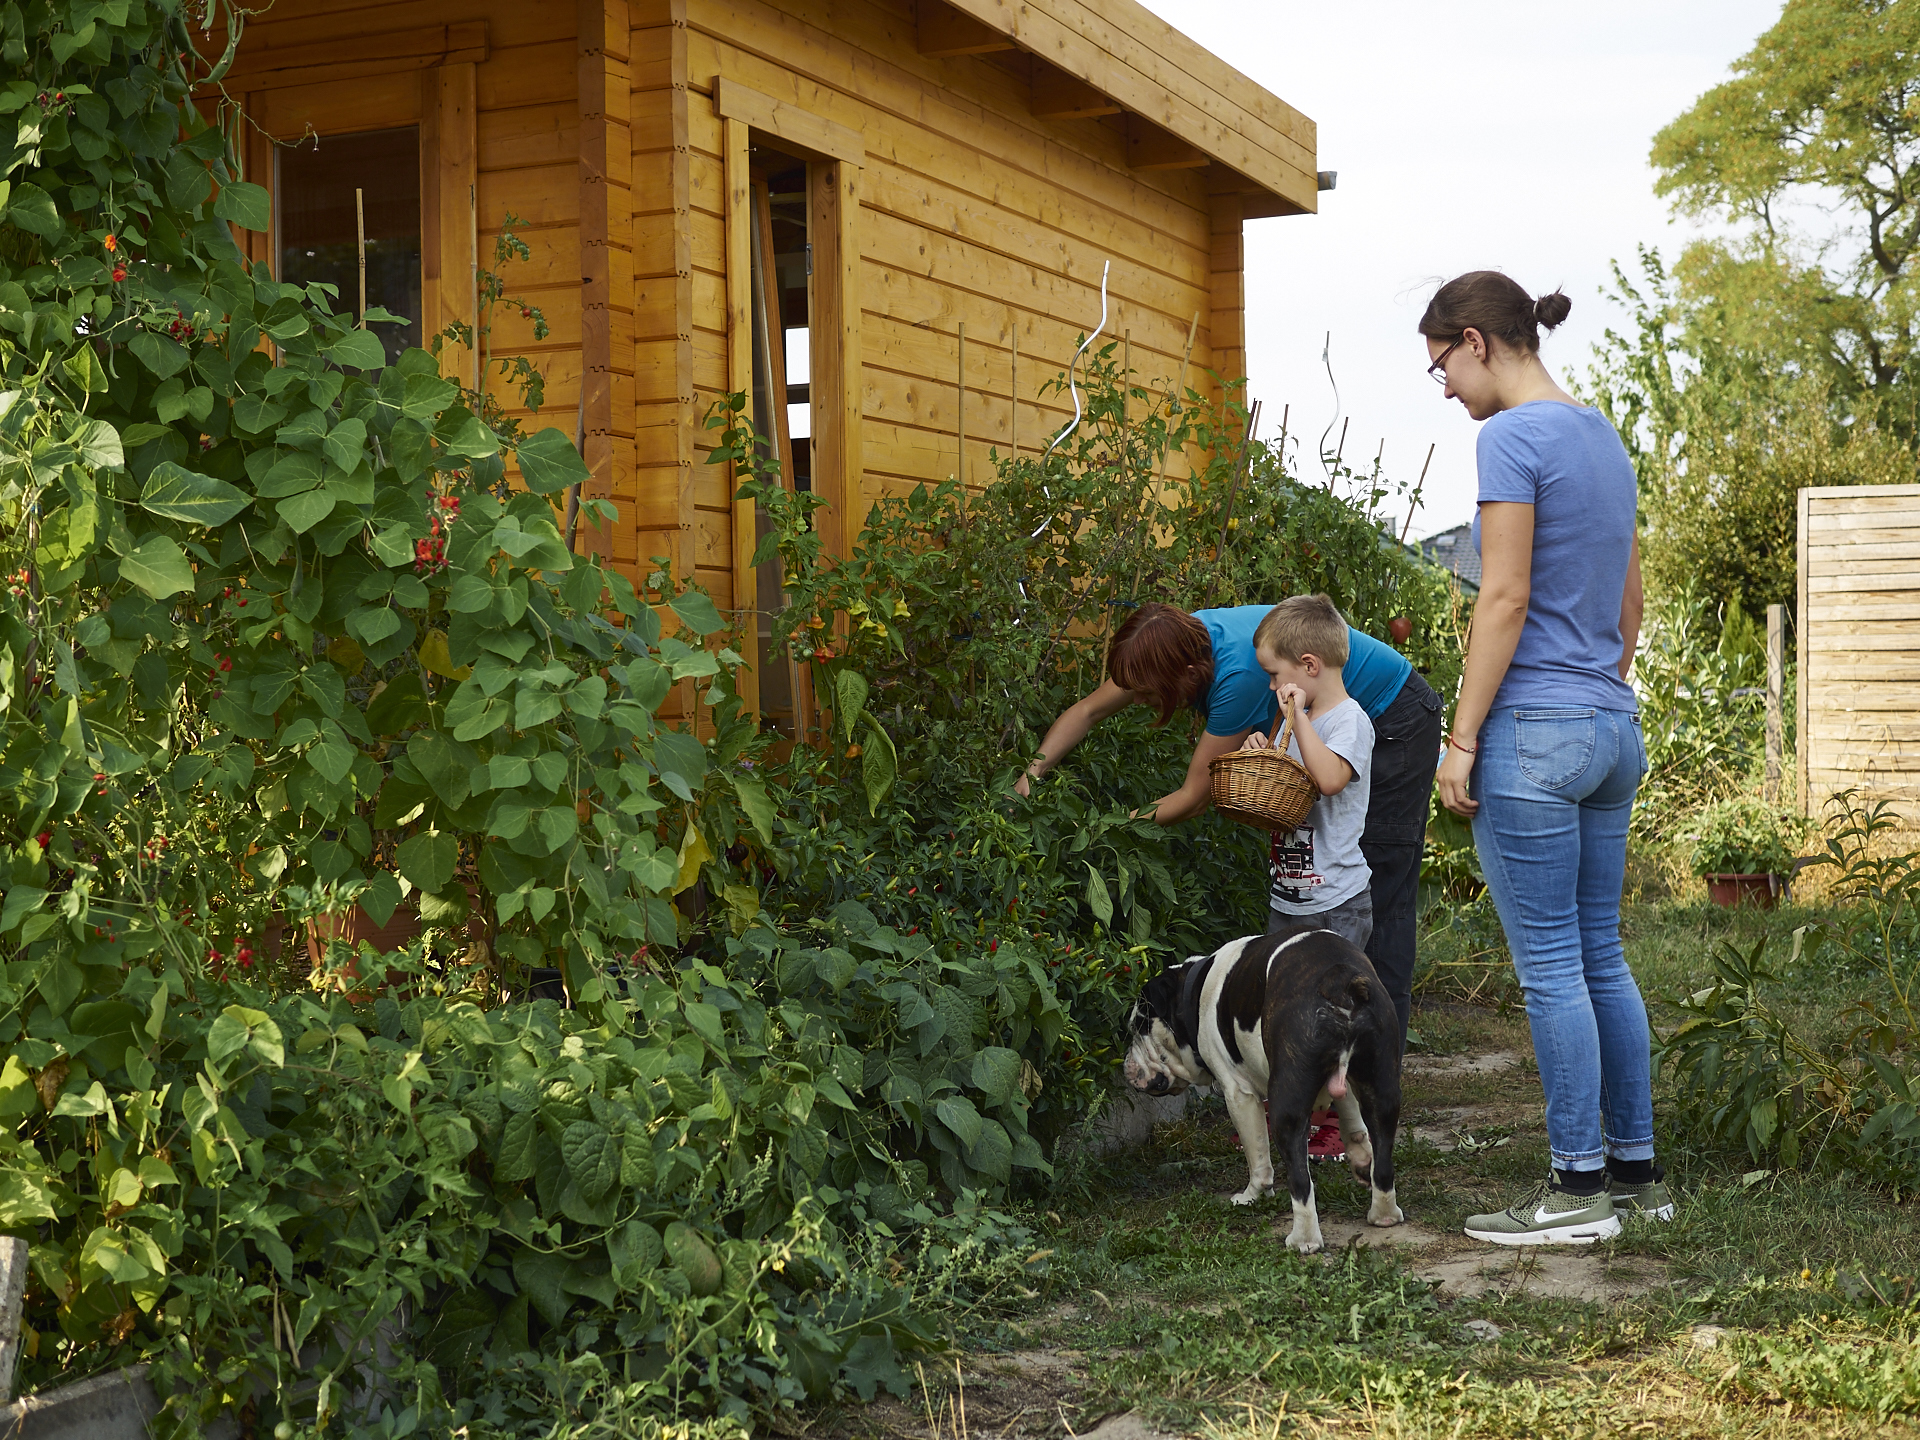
1776 686
13 1288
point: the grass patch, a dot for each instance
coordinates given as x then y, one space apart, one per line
1778 1303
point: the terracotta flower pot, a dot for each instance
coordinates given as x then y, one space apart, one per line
1760 891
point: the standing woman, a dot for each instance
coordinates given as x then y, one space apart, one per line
1545 752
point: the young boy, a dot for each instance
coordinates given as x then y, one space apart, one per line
1320 878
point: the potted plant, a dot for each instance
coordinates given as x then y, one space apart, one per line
1743 849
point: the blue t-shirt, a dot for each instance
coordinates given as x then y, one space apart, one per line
1241 696
1568 463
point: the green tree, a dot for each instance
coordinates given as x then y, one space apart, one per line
1722 445
1809 150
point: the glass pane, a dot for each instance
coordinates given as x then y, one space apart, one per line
314 187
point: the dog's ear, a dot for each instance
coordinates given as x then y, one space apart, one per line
1361 989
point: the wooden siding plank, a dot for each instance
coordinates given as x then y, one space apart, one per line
546 134
934 206
529 75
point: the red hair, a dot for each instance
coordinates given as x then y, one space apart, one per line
1164 652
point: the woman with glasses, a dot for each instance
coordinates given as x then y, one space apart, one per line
1544 753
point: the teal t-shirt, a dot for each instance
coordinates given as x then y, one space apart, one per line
1241 696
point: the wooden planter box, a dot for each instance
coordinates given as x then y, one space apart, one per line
402 927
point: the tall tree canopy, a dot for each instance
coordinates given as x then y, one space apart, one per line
1810 150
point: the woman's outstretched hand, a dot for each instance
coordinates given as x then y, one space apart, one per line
1456 769
1023 787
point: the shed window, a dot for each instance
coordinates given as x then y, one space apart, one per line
314 186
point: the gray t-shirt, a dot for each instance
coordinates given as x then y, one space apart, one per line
1319 865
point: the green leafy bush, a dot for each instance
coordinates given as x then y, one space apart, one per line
1743 835
280 639
1749 1078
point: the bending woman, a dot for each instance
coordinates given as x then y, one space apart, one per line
1165 658
1545 750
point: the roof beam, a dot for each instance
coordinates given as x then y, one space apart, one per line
1151 148
1056 95
944 32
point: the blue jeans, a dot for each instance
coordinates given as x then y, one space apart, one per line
1555 786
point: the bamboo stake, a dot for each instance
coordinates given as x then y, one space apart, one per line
1013 384
580 444
1414 503
360 241
473 249
962 407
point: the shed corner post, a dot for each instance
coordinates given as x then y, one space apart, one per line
603 48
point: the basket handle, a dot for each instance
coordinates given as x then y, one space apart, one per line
1282 732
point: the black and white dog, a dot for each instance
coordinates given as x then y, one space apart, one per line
1293 1021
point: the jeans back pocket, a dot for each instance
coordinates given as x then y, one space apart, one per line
1554 743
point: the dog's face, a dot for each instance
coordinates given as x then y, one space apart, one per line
1162 1059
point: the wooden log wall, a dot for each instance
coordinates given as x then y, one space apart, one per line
1859 683
495 89
972 210
974 204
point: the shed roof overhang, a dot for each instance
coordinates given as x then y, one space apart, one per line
1184 107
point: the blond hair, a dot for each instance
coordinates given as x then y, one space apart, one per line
1304 625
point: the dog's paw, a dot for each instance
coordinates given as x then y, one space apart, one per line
1384 1211
1360 1157
1305 1244
1250 1194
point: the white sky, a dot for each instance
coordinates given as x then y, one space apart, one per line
1502 134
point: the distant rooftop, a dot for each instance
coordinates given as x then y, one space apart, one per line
1454 550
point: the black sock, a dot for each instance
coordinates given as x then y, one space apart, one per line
1632 1172
1580 1182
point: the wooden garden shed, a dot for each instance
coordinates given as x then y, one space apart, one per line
887 220
1859 684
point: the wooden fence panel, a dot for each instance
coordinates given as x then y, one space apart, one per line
1859 690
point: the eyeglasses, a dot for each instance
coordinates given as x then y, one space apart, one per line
1437 371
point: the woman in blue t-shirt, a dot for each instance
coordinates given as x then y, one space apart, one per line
1164 658
1545 750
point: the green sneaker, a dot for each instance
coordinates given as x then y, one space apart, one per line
1650 1201
1549 1216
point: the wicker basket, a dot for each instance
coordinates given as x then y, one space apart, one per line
1268 788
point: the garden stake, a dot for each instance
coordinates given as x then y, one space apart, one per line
961 411
1013 383
580 444
360 241
473 249
1414 503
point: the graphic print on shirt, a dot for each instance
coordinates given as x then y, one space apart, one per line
1293 872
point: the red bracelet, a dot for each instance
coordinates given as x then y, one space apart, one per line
1470 749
